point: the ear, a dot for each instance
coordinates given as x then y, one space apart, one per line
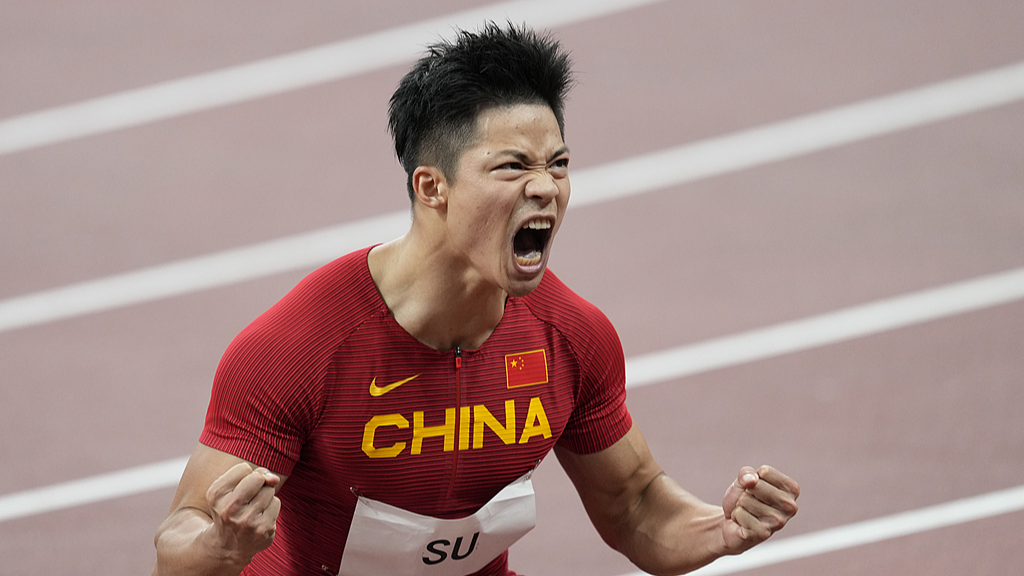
430 187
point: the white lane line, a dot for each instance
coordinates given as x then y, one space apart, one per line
92 489
871 318
166 474
804 134
637 175
194 274
829 328
280 74
868 532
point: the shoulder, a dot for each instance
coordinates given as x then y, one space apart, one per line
577 319
556 303
599 415
313 318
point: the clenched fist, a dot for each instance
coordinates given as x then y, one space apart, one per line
245 510
758 504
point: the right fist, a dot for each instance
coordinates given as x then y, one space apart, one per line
244 510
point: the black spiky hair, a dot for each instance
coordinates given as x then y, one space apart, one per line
433 112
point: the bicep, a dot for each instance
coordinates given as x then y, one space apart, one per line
612 482
204 467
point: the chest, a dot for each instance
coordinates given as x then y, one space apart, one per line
439 433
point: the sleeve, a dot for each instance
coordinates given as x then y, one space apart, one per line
267 394
600 417
265 399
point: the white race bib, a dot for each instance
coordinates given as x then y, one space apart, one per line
384 540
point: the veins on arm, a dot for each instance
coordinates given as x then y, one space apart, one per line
641 512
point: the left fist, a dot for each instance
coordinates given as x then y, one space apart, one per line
758 504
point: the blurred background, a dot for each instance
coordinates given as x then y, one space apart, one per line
805 219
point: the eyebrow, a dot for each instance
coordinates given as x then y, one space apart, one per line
522 157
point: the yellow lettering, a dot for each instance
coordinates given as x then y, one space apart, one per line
536 422
419 431
471 420
482 416
370 429
464 428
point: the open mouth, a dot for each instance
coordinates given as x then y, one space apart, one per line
530 241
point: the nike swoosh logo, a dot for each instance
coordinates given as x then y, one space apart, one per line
382 390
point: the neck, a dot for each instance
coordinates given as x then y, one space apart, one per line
434 297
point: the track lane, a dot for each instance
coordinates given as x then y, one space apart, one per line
753 65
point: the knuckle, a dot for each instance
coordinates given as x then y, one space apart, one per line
758 531
266 531
213 494
222 509
746 499
252 518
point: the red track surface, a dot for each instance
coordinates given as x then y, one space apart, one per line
879 425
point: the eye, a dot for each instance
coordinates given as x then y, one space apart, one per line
511 166
560 167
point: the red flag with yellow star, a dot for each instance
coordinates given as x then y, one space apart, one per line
526 369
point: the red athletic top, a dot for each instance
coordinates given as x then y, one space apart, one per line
326 388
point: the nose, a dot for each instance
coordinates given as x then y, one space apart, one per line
542 186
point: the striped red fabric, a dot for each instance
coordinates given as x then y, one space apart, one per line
308 391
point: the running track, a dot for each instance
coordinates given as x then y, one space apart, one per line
806 221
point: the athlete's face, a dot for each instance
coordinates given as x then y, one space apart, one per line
509 195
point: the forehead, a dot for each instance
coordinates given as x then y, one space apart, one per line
526 128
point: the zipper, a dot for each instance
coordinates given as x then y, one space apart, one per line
458 419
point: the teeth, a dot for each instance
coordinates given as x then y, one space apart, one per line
532 255
537 225
529 260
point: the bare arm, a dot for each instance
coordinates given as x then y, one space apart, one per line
224 512
660 527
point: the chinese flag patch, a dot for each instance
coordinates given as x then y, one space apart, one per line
526 369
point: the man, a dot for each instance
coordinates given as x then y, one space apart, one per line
384 417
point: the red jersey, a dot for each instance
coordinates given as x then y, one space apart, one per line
328 389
